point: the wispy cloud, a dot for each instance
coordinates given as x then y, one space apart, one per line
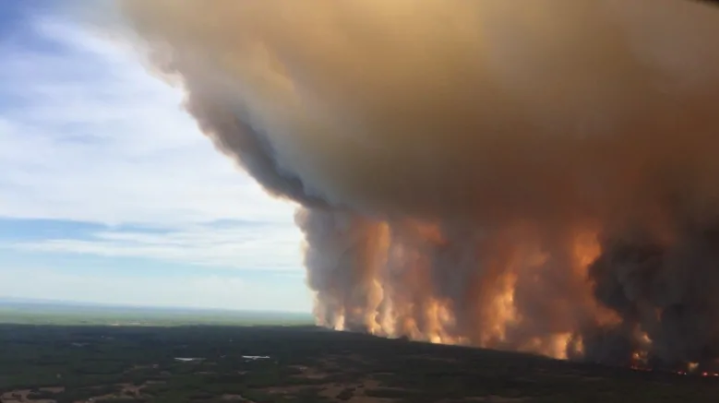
232 245
88 136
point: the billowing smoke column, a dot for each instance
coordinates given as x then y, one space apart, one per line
536 175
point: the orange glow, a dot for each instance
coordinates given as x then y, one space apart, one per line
417 310
586 249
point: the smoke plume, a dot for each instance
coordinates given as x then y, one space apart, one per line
534 175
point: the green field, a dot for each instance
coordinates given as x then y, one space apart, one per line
68 361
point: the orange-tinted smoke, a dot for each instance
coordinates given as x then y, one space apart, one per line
472 171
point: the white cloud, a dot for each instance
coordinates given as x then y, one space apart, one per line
92 136
249 247
191 292
86 134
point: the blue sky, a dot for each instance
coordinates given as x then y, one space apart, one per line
108 191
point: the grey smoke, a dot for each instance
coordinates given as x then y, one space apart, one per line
459 161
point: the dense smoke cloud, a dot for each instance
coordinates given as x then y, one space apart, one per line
531 175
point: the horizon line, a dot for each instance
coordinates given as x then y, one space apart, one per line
12 299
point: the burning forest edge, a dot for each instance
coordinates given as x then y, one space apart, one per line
539 179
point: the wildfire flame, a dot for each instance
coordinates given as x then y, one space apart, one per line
393 316
433 319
